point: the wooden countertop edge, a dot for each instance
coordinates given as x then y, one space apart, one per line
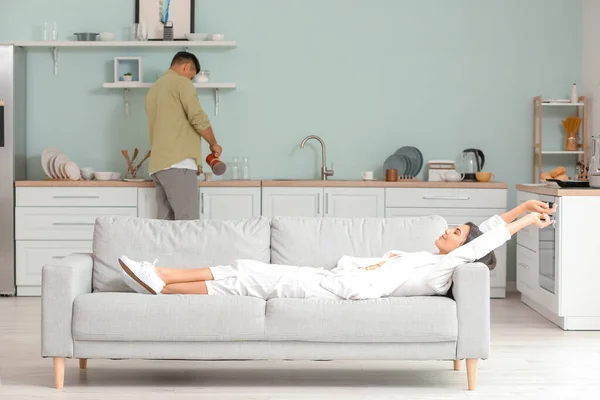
542 189
273 183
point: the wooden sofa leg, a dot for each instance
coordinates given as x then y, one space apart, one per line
457 365
59 372
83 363
472 373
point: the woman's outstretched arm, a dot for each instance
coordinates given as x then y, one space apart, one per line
532 206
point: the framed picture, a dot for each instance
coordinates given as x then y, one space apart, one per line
153 14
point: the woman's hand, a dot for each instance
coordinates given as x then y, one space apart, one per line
541 220
536 206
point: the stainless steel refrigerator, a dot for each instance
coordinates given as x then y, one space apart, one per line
13 92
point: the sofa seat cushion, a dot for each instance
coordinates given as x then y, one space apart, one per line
387 320
137 317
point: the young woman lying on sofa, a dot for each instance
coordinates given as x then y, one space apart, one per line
396 274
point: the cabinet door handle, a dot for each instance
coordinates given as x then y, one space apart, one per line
57 257
446 197
202 199
318 204
327 204
73 223
523 265
75 197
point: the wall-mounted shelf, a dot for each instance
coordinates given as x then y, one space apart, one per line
148 85
563 104
126 86
562 152
54 46
114 44
538 105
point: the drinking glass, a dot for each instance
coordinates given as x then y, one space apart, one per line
49 31
142 32
134 31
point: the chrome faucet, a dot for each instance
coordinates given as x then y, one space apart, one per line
324 171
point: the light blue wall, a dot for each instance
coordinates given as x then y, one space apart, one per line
367 76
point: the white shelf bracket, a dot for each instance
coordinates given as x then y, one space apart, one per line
217 102
126 94
55 58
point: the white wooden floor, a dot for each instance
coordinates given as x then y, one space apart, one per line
531 359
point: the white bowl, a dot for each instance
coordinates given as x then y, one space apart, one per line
103 176
107 36
116 176
197 36
217 37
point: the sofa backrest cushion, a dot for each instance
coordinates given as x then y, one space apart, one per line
178 244
322 242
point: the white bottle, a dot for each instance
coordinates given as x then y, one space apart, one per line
245 168
574 97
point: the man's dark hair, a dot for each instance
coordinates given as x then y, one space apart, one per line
183 57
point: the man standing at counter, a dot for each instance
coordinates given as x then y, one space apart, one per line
176 123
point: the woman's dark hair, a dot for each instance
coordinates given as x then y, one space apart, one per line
474 232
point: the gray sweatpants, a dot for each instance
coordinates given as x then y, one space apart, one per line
177 194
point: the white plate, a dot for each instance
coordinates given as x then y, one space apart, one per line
47 155
53 174
72 171
59 163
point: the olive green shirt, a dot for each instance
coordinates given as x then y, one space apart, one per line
175 120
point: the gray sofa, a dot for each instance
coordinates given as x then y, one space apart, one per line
88 312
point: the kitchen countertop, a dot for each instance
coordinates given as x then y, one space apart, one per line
543 189
274 183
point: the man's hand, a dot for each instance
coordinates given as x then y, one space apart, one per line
216 150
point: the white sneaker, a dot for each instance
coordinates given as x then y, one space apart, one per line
143 273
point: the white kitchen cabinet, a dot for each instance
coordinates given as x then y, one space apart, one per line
62 223
354 202
32 255
146 203
229 203
292 202
222 203
557 270
53 222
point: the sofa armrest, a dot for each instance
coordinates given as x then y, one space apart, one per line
62 282
471 292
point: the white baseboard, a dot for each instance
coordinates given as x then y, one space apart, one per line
511 286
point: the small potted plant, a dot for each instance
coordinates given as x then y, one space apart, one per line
128 77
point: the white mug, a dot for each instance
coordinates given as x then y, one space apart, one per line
453 176
208 176
367 175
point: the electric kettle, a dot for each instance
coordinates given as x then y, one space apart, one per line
472 161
